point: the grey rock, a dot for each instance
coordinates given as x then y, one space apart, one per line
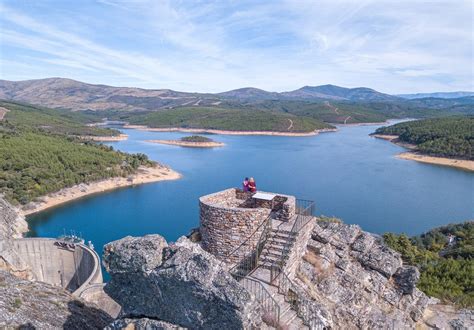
26 304
134 254
180 284
360 281
381 258
12 224
141 324
406 278
363 242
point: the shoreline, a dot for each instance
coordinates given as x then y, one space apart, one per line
143 175
225 132
467 165
188 144
120 137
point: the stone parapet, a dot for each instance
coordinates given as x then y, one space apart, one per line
228 218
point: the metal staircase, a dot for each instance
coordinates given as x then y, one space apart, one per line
261 270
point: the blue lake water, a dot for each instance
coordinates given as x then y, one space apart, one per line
349 174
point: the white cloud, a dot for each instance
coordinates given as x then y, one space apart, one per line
213 46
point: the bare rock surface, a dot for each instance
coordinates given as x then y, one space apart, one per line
30 305
12 224
179 283
141 324
360 281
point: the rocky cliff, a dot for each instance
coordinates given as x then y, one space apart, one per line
12 224
35 305
179 284
358 280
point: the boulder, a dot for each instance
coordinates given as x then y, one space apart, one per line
406 278
360 281
37 305
180 284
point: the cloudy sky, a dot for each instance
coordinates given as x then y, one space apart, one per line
212 46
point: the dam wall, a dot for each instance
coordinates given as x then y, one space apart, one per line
71 266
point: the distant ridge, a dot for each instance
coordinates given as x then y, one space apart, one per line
71 94
339 93
441 95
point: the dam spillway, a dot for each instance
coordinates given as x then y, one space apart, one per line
71 266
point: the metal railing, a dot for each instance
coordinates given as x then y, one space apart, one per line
249 260
265 299
304 213
303 306
247 264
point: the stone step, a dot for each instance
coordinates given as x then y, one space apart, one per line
274 241
279 238
284 232
288 318
267 253
274 248
282 237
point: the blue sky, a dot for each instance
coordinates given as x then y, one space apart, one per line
213 46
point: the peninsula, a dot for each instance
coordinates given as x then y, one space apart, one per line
194 141
46 161
441 141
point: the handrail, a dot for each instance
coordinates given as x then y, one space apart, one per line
227 256
249 261
265 299
302 218
300 304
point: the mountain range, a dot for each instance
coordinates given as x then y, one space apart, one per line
441 95
75 95
328 103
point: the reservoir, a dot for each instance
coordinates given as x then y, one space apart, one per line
348 174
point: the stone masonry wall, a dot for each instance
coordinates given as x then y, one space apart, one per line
223 228
299 248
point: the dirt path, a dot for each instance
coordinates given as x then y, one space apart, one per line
198 101
336 110
291 125
3 112
345 120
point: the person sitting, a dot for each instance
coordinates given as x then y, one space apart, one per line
245 185
252 185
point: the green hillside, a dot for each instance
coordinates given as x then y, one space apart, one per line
444 137
446 269
38 155
52 120
226 119
349 112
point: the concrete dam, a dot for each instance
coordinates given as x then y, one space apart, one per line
72 266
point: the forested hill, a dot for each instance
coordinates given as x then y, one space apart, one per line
328 103
445 137
52 120
39 154
226 119
446 267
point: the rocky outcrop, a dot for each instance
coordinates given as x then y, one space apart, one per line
141 324
361 282
12 224
30 305
178 283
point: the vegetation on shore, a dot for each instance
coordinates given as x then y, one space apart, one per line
225 119
196 138
446 269
451 137
53 121
39 154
